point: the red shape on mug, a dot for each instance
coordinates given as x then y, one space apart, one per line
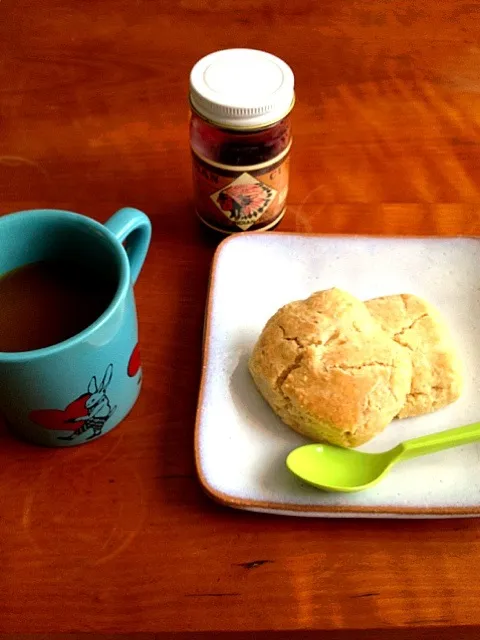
134 363
58 419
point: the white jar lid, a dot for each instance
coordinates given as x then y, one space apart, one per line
242 88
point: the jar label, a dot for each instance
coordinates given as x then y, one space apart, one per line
231 198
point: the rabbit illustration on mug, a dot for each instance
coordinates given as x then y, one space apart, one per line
97 406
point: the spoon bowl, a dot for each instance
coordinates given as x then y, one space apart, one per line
335 469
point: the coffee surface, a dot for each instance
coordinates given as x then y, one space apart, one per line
44 303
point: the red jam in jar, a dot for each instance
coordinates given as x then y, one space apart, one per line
240 137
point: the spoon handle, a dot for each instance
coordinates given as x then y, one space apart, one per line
439 441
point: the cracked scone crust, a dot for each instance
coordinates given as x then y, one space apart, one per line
437 372
329 371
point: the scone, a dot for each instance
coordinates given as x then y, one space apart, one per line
437 378
329 371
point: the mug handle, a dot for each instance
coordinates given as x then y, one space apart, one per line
134 229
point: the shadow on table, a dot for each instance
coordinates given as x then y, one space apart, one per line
178 365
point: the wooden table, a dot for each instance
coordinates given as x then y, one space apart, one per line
117 537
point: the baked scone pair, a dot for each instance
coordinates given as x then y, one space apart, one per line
338 370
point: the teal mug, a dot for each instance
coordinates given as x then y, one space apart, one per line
81 388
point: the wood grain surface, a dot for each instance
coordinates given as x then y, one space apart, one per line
116 537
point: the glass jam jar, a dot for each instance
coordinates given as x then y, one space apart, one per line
240 137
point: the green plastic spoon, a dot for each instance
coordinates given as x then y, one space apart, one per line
335 469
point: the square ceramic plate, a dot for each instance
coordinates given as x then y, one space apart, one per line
241 445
